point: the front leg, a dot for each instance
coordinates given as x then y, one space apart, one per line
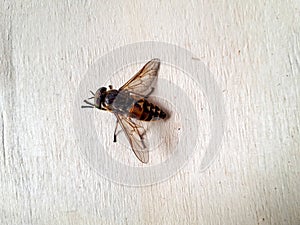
104 109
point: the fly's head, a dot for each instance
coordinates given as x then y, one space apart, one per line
99 99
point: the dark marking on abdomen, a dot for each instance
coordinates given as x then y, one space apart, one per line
144 110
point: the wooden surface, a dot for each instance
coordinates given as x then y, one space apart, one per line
250 47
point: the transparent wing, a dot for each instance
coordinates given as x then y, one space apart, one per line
143 82
136 137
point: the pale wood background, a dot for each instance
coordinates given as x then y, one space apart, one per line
252 48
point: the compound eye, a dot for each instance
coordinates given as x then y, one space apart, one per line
97 102
103 89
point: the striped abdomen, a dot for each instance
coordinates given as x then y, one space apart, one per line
144 110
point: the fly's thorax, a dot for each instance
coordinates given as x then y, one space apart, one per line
110 96
121 101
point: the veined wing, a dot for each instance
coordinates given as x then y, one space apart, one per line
136 137
142 83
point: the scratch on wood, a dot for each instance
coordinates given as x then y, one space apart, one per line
3 140
291 64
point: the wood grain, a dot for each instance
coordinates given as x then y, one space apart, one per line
252 50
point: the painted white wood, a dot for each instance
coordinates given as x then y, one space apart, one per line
252 50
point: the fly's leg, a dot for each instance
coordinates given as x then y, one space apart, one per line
104 109
115 133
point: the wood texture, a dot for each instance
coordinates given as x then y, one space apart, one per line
251 47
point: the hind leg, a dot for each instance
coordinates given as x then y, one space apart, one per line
115 132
